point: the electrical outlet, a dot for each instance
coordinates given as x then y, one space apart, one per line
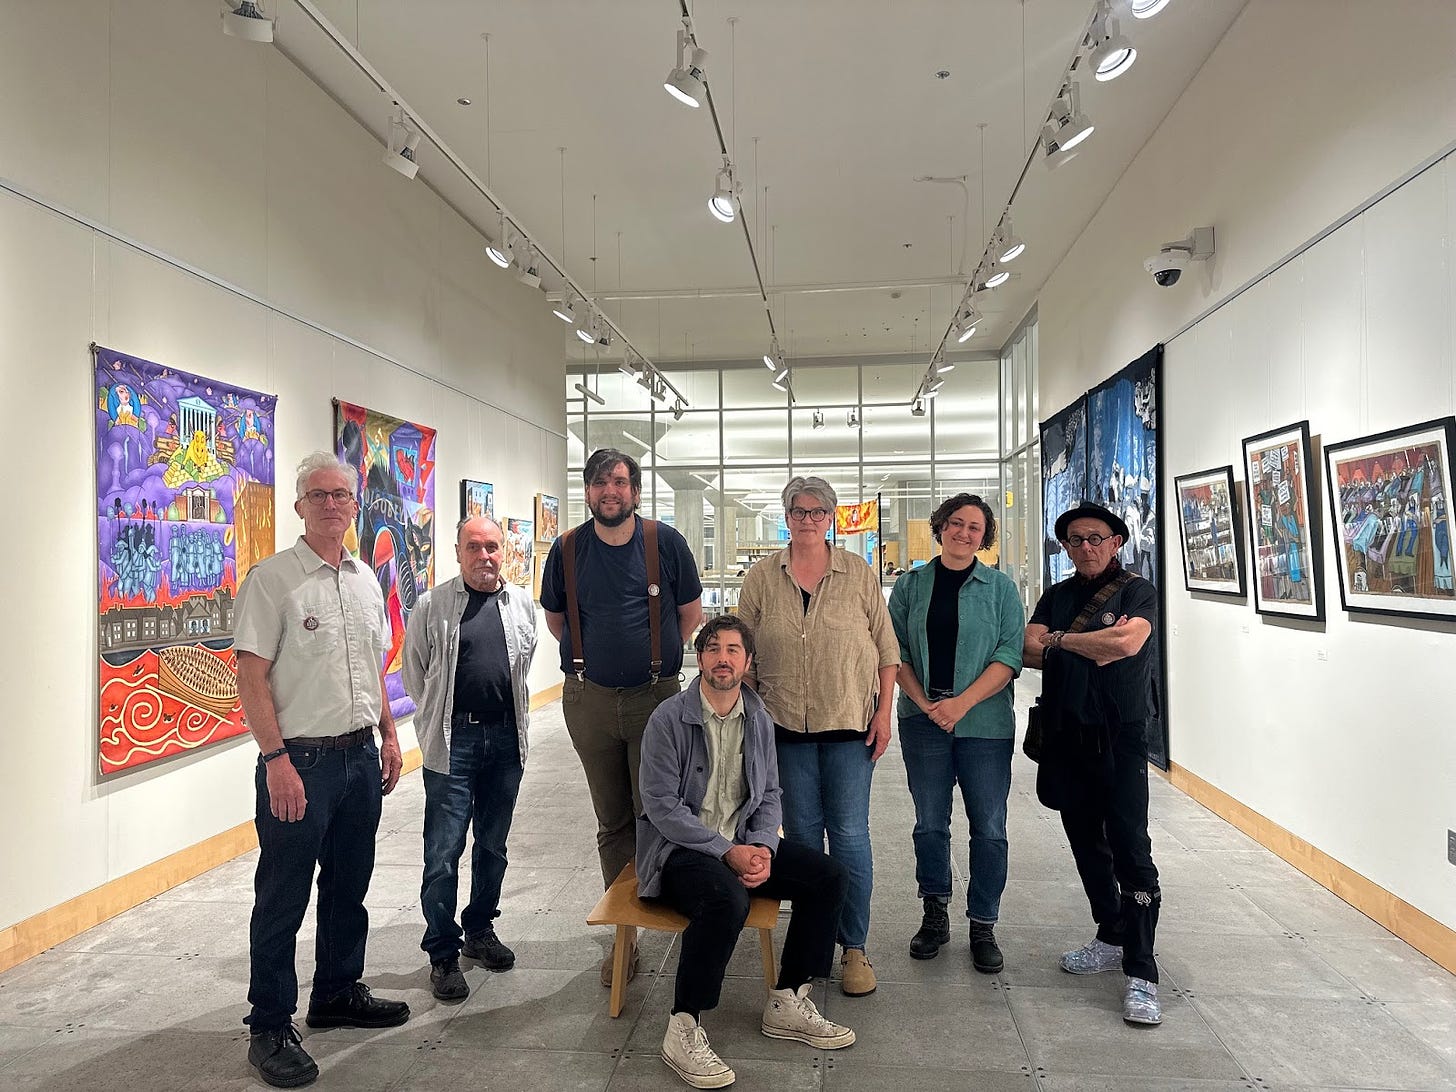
1451 846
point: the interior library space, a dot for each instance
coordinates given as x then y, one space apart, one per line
1019 429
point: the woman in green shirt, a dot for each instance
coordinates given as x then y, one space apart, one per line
960 626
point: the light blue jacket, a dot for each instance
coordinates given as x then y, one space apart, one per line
991 628
432 650
673 778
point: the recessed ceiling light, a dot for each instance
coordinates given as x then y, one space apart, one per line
942 74
463 101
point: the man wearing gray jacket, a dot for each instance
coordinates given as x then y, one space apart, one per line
708 840
467 649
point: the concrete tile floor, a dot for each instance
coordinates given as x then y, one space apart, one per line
1269 981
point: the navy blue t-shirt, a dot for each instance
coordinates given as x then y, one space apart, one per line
611 592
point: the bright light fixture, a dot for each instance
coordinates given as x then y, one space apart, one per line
942 366
1066 128
781 379
686 82
404 143
1009 245
247 21
1111 53
586 332
724 202
774 358
565 310
527 264
997 277
965 326
1145 9
932 393
499 249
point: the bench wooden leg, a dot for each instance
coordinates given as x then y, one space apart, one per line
765 949
621 953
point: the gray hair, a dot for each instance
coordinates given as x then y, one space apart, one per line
817 488
460 526
315 461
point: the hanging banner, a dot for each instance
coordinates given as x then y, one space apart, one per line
184 507
856 519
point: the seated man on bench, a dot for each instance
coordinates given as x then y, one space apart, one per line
709 840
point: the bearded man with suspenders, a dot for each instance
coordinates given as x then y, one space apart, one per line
621 594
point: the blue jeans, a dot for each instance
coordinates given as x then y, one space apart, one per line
826 790
480 792
336 833
935 761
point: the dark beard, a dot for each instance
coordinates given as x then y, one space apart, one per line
617 520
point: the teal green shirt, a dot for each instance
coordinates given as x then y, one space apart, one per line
992 626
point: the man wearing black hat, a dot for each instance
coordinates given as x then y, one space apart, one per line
1094 636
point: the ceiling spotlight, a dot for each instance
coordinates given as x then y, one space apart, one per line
686 82
818 419
528 266
593 395
965 326
931 393
587 331
1143 9
724 202
773 360
1066 128
659 389
404 142
917 407
933 387
1110 54
645 379
247 21
565 310
628 365
499 250
1008 244
995 279
781 378
942 365
677 410
852 418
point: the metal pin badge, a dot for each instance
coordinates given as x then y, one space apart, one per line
653 590
310 623
1109 618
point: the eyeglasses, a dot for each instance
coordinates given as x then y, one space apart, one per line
1091 540
318 496
818 515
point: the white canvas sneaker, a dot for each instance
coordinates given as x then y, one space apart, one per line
790 1014
686 1051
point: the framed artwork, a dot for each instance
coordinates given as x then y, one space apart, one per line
394 533
1213 549
184 507
1122 459
476 499
548 518
518 566
1391 518
1284 532
1063 482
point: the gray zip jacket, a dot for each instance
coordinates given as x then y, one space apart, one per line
673 779
432 650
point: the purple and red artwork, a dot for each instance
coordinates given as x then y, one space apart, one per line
184 491
395 531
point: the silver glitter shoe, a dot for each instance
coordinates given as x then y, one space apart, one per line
1094 957
1140 1003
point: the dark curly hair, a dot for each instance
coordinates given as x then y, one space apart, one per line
941 516
714 626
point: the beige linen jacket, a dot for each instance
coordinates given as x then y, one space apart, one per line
819 671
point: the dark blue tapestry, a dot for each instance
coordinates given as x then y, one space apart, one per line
1063 482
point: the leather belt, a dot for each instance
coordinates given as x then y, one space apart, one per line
462 717
356 738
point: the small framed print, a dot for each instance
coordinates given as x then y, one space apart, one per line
1284 533
548 518
1213 549
518 565
1391 513
476 499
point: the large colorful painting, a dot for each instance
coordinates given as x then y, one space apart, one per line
1392 520
395 531
1063 482
1284 531
184 491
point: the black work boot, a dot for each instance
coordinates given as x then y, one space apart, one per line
446 980
934 931
486 949
356 1008
278 1056
985 954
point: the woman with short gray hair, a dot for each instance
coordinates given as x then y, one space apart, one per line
825 668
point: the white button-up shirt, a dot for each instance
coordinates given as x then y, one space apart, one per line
324 631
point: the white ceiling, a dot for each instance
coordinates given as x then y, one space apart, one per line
836 109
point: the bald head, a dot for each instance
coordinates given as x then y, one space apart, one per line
479 547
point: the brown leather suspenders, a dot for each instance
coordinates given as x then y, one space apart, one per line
654 597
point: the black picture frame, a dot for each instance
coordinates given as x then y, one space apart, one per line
1390 497
1211 532
476 498
1285 544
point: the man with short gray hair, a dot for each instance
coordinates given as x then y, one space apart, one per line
467 650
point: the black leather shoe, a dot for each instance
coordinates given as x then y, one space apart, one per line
278 1056
446 981
486 949
934 931
985 954
356 1008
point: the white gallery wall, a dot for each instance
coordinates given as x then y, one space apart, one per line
146 120
1307 111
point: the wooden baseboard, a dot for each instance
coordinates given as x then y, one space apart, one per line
1418 929
547 696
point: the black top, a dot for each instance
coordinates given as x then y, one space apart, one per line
611 591
482 670
943 623
1121 692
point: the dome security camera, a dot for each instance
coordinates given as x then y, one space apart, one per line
1168 263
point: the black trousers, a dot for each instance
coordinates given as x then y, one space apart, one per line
1105 815
715 902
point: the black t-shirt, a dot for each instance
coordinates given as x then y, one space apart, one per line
943 623
611 592
483 670
1121 692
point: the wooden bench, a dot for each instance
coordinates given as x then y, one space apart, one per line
621 906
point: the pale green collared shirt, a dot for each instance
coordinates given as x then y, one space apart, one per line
727 790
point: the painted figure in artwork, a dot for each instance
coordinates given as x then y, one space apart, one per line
195 462
122 406
248 427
